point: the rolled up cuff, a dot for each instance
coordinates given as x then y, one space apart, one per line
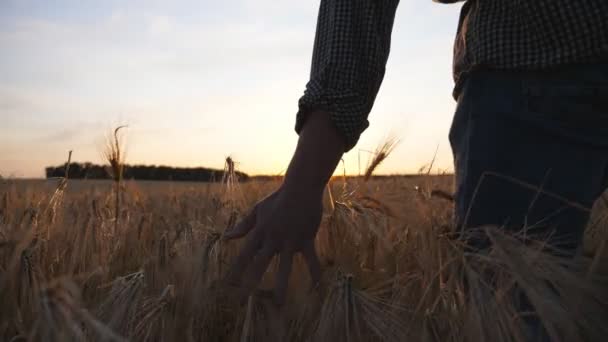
348 111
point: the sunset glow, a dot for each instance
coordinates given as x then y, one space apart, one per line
197 81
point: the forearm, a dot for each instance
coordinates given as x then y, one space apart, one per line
352 45
317 154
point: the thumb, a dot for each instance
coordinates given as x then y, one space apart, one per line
242 228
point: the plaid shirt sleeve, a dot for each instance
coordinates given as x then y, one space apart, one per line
351 48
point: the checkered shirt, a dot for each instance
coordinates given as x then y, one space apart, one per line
353 39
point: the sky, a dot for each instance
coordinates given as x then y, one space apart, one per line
196 81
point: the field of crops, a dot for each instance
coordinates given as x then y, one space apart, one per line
76 264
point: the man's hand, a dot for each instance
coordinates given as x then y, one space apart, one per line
279 224
287 221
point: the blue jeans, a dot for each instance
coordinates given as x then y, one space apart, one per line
531 149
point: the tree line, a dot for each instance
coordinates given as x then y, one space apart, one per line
141 172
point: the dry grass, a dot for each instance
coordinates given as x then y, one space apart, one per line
379 155
392 270
114 153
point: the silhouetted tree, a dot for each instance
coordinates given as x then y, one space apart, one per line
142 172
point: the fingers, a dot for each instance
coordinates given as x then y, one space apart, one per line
282 279
312 261
245 257
242 228
258 268
258 261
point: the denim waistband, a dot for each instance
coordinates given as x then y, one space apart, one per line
570 102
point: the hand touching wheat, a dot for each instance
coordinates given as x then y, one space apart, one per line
280 225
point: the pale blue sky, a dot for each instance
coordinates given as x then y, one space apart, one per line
199 80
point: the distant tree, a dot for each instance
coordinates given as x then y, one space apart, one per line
89 170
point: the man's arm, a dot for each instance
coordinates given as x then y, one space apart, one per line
287 221
317 154
352 45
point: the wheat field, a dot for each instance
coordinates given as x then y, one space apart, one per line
79 264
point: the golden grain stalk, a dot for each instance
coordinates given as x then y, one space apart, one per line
114 154
380 154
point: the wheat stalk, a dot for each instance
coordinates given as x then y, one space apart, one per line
380 154
114 154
